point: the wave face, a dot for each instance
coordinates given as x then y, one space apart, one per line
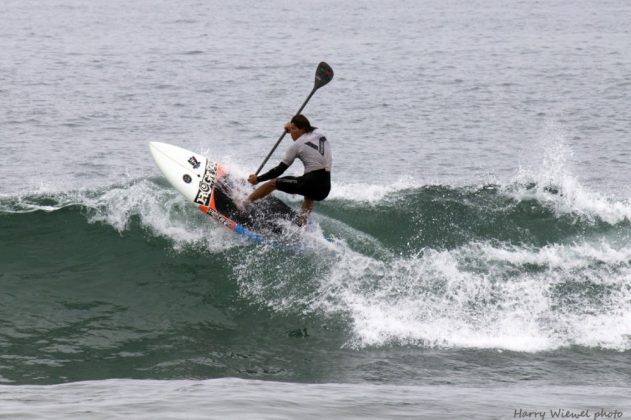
132 278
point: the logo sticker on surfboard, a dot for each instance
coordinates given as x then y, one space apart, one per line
194 162
206 185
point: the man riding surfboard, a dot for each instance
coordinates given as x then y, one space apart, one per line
313 149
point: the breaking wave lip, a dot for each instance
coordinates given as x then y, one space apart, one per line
553 185
159 209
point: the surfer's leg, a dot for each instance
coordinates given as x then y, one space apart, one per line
261 192
305 210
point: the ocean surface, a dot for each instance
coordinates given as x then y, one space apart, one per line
472 261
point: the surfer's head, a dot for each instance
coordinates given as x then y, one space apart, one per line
298 126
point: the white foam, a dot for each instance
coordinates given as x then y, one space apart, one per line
480 295
159 209
553 185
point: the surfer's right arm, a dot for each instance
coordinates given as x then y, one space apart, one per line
272 173
289 158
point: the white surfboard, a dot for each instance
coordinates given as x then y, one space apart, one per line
207 184
182 168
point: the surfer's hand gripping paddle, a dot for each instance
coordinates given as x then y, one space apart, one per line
324 74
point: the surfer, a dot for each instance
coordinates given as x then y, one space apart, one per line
314 151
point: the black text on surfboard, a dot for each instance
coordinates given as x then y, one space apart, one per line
206 184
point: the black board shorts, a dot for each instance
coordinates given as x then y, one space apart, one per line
315 185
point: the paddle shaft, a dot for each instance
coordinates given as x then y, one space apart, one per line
285 131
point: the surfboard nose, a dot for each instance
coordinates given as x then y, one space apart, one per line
166 154
154 147
182 168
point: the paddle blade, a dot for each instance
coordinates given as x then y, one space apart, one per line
324 74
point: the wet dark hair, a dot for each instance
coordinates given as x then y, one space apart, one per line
303 123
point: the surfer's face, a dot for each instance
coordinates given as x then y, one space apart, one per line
295 131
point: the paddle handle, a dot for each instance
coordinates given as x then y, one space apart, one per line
284 132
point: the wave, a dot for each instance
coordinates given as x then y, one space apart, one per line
396 215
527 266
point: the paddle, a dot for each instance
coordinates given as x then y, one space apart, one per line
324 74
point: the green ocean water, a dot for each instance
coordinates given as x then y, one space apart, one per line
130 282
